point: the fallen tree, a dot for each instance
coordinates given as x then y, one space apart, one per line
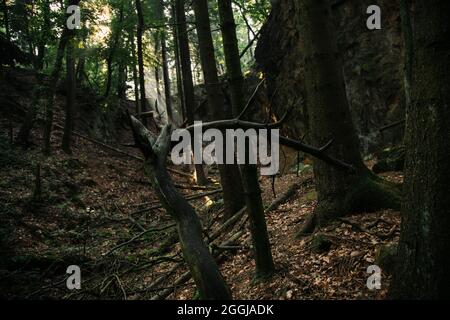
202 266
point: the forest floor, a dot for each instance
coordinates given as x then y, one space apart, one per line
89 216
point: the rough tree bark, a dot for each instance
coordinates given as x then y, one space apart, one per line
425 238
167 90
339 192
249 173
230 179
204 269
186 71
122 80
135 71
405 8
140 55
182 108
70 99
164 60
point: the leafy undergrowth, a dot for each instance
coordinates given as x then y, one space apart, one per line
94 203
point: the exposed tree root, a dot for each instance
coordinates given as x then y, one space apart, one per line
368 193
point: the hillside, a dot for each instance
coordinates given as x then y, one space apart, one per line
90 206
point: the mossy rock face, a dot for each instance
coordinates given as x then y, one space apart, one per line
391 159
386 257
320 243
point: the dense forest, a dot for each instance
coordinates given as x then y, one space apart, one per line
104 194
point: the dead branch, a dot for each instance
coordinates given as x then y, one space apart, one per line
284 197
187 275
318 153
364 230
111 148
252 98
194 187
138 237
202 265
130 218
190 197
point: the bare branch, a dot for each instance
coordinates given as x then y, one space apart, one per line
252 98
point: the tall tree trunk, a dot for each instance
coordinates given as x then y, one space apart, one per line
249 173
167 90
157 38
70 99
425 238
135 71
52 82
164 60
405 8
80 69
44 36
140 54
180 93
24 133
188 84
112 52
6 20
121 81
339 192
233 192
26 22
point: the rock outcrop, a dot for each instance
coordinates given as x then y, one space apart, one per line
372 61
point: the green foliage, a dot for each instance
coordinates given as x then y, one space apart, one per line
107 32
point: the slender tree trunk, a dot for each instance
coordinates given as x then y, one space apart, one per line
233 192
230 179
249 173
178 66
140 54
135 71
339 192
167 90
424 246
24 133
188 84
156 38
6 20
405 7
70 99
80 69
121 81
44 36
26 22
112 52
52 82
164 60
